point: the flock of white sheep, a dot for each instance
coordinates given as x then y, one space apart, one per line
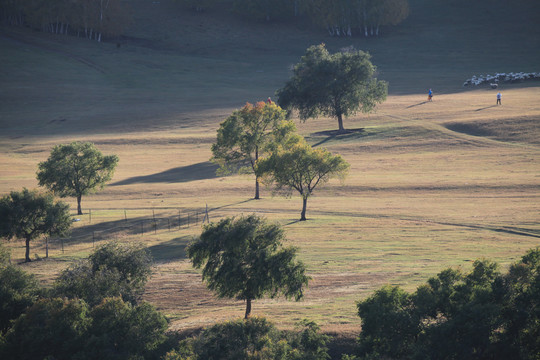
493 80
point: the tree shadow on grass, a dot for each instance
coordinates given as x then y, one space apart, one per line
338 135
294 222
200 171
174 249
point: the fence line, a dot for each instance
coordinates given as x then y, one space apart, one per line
139 225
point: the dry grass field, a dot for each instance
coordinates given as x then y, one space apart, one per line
432 184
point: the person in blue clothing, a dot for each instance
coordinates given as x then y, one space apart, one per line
430 95
499 98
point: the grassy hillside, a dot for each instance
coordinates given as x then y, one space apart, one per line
432 185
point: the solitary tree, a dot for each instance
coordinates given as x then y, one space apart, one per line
245 258
245 134
75 170
335 85
301 168
30 214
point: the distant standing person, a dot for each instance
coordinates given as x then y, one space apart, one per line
269 101
430 95
499 98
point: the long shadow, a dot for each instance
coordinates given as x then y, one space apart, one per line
227 205
487 107
172 249
200 171
336 134
292 222
422 103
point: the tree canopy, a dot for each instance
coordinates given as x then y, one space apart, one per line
301 168
76 169
112 270
254 338
244 258
246 134
483 314
18 291
334 85
30 214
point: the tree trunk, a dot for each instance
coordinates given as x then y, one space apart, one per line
256 177
248 308
79 210
257 188
340 123
27 254
304 207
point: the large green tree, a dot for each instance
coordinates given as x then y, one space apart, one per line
244 258
76 169
30 215
336 85
245 135
301 168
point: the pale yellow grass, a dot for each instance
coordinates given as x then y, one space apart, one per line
419 197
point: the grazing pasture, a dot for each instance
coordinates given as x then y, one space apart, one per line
431 184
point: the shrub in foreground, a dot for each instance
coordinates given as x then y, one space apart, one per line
253 339
478 315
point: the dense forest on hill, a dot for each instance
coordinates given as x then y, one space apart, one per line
97 19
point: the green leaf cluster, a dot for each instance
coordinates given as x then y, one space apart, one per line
112 270
296 166
254 339
75 170
244 258
39 324
335 85
67 329
29 215
18 291
246 135
483 314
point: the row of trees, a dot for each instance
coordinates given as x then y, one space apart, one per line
97 312
338 17
483 314
92 19
258 139
72 170
94 310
